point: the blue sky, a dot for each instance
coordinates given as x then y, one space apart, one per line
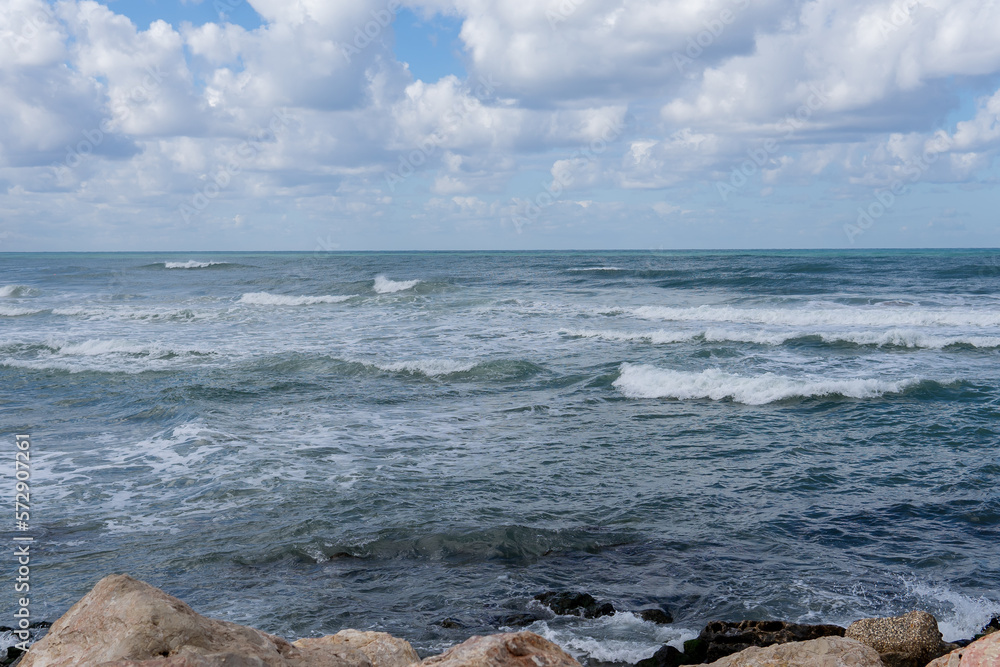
495 124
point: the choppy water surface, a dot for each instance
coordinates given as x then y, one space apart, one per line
310 442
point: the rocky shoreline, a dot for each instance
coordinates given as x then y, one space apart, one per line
124 622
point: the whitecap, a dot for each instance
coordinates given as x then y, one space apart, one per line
191 265
644 381
428 367
385 286
879 317
265 299
14 291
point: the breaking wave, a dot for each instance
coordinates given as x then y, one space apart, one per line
385 286
265 299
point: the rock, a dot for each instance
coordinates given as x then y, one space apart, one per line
910 640
513 649
516 620
381 648
990 627
823 652
721 638
666 656
984 652
576 604
123 621
451 623
655 615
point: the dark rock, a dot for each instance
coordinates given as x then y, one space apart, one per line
451 623
656 615
720 638
576 604
667 656
518 620
10 655
990 627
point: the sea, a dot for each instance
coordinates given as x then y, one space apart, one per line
420 443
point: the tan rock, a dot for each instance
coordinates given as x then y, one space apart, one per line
984 652
512 649
381 648
910 640
123 621
822 652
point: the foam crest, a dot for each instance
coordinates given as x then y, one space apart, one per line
17 312
656 337
612 639
887 316
644 381
385 286
15 291
191 265
265 299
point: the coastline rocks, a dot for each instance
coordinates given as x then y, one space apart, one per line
910 640
123 622
381 648
984 652
517 649
566 603
655 615
823 652
721 638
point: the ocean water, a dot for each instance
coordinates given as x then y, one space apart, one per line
308 442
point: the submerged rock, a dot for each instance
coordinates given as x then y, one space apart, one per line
516 649
984 652
822 652
514 620
910 640
721 638
655 615
567 603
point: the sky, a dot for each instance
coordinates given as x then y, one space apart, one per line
315 125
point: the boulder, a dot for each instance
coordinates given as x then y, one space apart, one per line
577 604
123 622
655 615
665 656
514 620
381 648
721 638
513 649
984 652
823 652
910 640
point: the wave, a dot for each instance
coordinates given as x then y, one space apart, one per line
192 264
100 355
428 367
878 316
621 638
500 370
644 381
18 312
960 616
595 268
265 299
16 291
904 338
385 286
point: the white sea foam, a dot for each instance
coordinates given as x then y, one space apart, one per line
428 367
967 615
644 381
265 299
873 316
385 286
620 638
17 312
889 338
191 264
106 355
14 291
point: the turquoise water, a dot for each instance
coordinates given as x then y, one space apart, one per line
307 442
